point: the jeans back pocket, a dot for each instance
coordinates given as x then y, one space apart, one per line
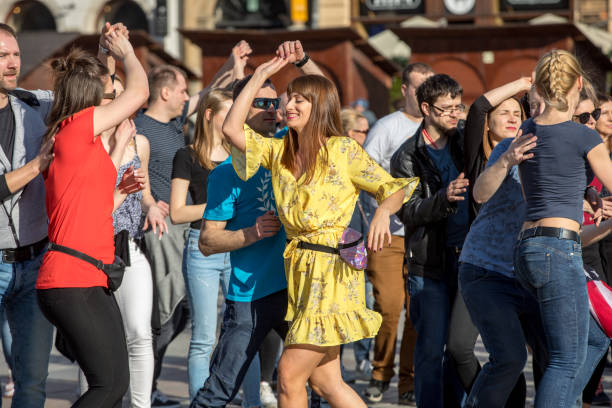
534 266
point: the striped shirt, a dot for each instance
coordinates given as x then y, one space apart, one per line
165 139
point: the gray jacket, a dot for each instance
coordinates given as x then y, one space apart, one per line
26 208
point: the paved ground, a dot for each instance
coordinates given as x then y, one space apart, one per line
62 384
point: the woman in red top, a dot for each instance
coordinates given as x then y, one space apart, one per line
72 293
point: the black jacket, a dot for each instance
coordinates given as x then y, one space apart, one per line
424 215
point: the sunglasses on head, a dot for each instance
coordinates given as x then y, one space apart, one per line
584 117
264 103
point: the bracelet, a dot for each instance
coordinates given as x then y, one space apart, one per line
302 62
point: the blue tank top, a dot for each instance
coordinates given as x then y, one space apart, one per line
554 180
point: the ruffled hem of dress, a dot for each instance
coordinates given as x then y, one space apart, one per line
334 329
391 187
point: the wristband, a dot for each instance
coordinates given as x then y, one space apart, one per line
302 62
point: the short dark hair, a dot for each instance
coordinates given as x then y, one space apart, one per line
8 29
419 67
436 86
160 76
239 86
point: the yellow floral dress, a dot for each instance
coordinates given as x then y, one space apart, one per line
326 296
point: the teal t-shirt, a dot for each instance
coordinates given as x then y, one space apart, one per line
257 270
457 223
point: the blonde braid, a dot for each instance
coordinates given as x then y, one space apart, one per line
556 73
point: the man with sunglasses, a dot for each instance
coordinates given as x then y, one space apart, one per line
240 218
436 221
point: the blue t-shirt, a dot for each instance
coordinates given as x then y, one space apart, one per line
258 270
554 180
490 242
457 223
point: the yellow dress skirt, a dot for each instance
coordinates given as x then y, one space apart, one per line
326 296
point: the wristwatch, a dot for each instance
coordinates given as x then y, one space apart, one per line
302 62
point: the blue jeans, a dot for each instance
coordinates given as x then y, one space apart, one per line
32 333
430 309
203 274
507 316
245 326
361 348
551 269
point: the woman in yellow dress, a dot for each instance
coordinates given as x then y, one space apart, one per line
316 179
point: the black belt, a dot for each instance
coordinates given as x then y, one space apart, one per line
24 253
560 233
325 248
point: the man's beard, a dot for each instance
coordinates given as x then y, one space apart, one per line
442 130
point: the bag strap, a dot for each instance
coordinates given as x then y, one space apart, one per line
325 248
77 254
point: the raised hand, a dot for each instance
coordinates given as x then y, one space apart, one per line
292 51
115 39
456 188
269 68
240 56
517 151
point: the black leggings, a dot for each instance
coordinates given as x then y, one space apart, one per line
90 321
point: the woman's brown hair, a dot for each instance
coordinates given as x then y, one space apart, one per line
78 85
203 141
487 140
324 122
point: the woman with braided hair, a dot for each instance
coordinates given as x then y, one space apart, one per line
548 254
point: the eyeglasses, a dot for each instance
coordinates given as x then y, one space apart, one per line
584 116
110 95
264 103
449 111
363 132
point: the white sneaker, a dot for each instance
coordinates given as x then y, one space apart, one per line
364 370
268 399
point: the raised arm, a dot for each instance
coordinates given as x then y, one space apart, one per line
233 127
295 54
232 69
501 93
136 90
493 176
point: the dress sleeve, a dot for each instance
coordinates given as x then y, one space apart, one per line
369 176
259 151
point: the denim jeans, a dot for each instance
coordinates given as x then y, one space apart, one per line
507 316
430 310
551 269
202 277
361 348
32 333
245 326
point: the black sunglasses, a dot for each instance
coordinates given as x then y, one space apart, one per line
584 117
264 103
110 95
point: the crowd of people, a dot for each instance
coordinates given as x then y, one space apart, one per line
319 225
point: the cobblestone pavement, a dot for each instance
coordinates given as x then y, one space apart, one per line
62 384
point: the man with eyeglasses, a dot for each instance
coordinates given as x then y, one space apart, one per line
436 221
240 218
386 272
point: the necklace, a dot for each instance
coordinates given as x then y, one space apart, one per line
429 139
